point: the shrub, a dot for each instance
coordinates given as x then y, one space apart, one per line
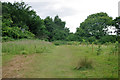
91 39
60 42
24 52
99 50
56 43
6 38
41 49
84 63
109 38
15 33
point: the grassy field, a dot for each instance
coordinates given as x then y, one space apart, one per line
40 59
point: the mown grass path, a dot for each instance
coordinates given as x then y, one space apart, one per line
55 64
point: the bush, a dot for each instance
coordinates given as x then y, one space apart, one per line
84 63
9 33
60 42
27 34
73 43
109 38
91 39
40 49
24 52
6 38
99 50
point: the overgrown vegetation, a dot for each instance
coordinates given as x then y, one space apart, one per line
26 47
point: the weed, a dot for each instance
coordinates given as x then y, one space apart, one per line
84 63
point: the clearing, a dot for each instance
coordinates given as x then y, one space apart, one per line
60 63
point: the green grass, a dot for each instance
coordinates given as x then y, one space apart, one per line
60 61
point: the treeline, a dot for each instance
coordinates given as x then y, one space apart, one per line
20 21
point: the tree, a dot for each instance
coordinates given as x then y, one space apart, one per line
14 20
117 24
60 32
56 28
59 22
95 25
49 24
71 37
23 17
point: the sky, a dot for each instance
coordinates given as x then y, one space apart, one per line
73 12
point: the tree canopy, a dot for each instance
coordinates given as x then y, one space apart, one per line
19 21
95 27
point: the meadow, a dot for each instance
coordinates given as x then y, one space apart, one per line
33 47
41 59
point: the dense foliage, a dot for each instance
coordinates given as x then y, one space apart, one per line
20 21
56 29
14 21
95 28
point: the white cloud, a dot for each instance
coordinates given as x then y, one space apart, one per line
73 11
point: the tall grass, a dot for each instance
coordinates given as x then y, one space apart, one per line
26 47
84 63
